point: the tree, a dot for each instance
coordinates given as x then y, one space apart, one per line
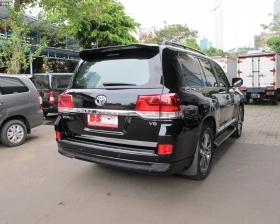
274 43
191 42
15 52
115 28
175 33
59 18
212 51
274 28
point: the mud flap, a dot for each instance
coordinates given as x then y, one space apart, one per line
192 170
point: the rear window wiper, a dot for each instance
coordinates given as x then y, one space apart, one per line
117 84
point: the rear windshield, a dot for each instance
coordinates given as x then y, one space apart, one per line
60 82
41 81
119 73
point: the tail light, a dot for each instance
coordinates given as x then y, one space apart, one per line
65 102
270 87
51 97
40 101
58 135
163 106
165 149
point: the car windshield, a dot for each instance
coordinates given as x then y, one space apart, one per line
119 73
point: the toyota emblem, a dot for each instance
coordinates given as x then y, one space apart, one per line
100 100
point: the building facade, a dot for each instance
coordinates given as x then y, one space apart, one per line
204 43
146 33
276 7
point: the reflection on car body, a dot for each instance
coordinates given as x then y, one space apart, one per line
157 114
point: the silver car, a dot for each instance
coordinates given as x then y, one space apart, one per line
20 109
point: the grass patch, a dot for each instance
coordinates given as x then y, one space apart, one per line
262 105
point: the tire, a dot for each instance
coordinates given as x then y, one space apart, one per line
205 153
239 123
247 100
45 113
13 133
274 102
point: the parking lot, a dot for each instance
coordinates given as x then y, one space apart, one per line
38 185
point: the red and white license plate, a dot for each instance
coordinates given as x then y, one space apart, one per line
102 120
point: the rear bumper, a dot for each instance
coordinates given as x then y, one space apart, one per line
133 165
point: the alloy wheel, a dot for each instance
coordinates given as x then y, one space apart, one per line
15 133
240 118
205 152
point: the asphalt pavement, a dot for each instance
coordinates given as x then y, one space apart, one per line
38 185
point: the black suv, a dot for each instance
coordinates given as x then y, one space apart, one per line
50 85
157 109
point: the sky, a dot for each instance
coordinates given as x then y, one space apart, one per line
241 18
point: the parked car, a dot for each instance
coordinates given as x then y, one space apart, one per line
158 109
50 85
20 109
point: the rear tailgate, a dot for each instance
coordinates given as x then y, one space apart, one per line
116 122
104 93
257 71
42 84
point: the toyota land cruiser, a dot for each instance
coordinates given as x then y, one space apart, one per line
158 109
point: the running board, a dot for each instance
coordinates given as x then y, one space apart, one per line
228 132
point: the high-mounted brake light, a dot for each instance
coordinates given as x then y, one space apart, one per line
159 106
51 97
40 101
65 102
165 149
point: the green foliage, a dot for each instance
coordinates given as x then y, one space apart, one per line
175 33
274 43
15 52
274 28
115 28
192 43
69 15
274 25
212 51
86 21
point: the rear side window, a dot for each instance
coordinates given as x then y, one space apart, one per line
41 81
209 73
60 82
11 85
192 74
128 72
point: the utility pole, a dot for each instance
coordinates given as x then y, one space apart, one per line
218 24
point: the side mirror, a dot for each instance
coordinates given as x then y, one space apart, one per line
237 82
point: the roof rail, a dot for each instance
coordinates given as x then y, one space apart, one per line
183 46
